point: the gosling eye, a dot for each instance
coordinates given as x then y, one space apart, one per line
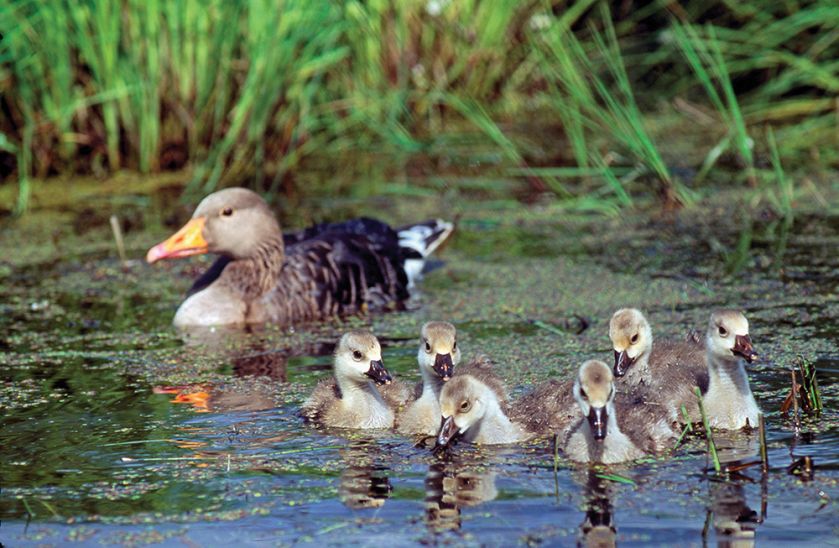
227 212
428 347
583 393
465 405
723 332
454 346
634 339
356 355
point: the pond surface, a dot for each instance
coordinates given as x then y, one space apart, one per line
116 429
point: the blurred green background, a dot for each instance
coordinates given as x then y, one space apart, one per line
595 105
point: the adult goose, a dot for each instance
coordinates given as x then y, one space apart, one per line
324 271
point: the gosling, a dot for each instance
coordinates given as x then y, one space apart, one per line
351 399
729 402
611 431
471 410
667 372
438 357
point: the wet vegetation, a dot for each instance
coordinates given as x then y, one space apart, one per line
552 132
576 101
116 428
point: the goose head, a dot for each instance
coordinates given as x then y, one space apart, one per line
728 336
358 358
232 222
438 352
631 337
463 403
594 390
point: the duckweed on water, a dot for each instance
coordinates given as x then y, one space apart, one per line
91 428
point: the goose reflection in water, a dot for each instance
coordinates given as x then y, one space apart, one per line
598 528
452 486
364 481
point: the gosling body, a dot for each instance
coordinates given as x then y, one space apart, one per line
729 402
612 431
667 372
351 399
472 411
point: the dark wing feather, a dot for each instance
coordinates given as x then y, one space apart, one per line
341 274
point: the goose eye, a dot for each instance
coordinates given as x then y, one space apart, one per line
464 405
227 212
356 355
634 338
723 331
427 346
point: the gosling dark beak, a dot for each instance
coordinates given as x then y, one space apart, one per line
443 366
597 420
743 348
378 373
622 363
448 430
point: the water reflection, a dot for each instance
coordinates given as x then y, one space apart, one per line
450 486
364 482
597 529
733 519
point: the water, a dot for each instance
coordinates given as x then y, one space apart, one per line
117 429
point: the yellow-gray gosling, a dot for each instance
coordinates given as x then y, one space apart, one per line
610 432
471 410
437 356
729 403
351 399
667 371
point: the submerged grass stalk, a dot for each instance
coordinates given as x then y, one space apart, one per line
712 447
764 455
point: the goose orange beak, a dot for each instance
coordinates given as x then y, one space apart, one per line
189 240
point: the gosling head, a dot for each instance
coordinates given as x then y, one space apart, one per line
631 338
594 390
359 358
728 336
438 351
463 402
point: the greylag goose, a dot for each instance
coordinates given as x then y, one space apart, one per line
610 430
264 276
729 402
667 371
472 411
351 399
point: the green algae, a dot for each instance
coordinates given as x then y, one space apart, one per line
86 344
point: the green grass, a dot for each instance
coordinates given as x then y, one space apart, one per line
564 97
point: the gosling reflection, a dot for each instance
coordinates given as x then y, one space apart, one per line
450 487
733 519
597 529
363 482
